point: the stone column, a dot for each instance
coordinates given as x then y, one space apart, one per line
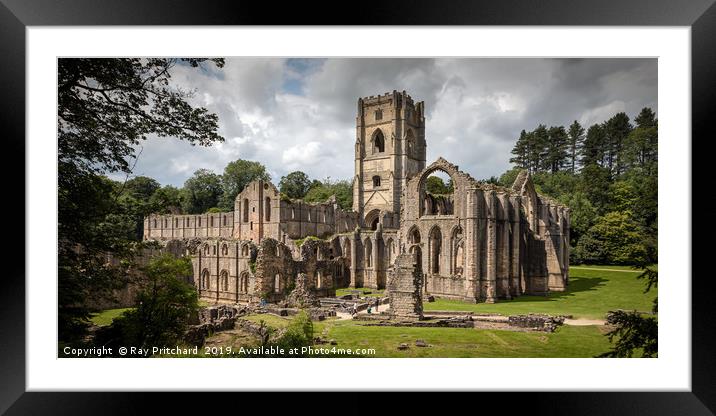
354 259
516 255
472 245
504 247
566 225
377 244
491 277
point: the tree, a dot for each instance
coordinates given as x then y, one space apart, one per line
576 137
555 150
536 149
640 148
520 151
646 118
508 178
163 309
436 186
167 200
141 187
202 191
106 108
322 191
237 175
581 217
295 185
594 146
617 129
135 199
615 238
594 182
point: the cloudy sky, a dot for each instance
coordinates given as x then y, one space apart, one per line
299 114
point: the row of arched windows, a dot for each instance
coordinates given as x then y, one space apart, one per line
204 283
185 222
435 250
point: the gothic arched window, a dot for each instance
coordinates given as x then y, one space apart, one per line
378 142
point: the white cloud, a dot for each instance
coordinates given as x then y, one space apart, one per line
475 109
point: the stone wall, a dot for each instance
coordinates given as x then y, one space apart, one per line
404 288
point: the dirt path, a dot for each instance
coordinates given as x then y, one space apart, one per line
584 322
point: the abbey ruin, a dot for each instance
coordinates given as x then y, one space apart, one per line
479 244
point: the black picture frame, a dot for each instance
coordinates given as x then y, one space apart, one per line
16 15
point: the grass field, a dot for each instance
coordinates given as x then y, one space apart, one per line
567 341
105 317
590 294
373 292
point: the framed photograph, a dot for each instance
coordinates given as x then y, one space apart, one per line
463 200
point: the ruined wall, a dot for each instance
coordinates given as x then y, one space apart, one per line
222 269
173 227
276 270
405 288
548 243
300 219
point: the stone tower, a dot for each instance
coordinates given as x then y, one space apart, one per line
389 149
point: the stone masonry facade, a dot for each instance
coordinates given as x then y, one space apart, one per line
479 244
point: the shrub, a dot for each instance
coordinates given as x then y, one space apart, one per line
299 333
164 307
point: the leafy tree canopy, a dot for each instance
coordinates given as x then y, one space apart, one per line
106 108
202 191
436 186
295 185
237 175
322 191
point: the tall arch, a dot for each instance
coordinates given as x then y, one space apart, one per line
390 251
372 219
204 283
435 249
457 251
277 283
347 248
410 144
378 141
368 247
441 203
244 282
414 235
267 209
224 279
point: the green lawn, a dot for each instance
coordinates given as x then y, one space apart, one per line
106 316
590 294
270 320
566 341
373 292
